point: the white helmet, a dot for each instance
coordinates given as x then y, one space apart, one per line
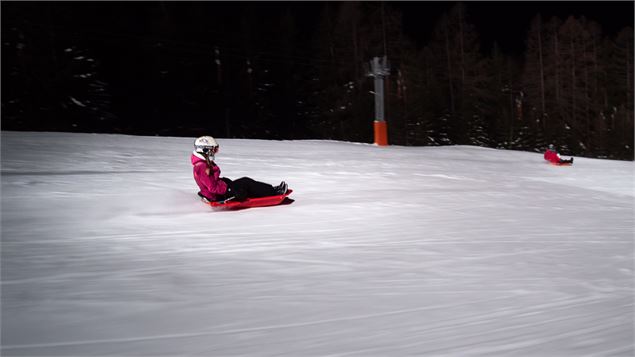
206 146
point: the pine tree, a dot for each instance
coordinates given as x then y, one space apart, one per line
620 93
468 82
56 82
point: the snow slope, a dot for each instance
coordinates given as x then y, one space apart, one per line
387 251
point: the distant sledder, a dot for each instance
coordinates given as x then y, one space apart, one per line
554 158
221 191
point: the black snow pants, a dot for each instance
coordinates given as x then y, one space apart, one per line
246 187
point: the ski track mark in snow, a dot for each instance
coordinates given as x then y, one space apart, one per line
445 177
234 331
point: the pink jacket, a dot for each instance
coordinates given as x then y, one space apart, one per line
552 156
210 184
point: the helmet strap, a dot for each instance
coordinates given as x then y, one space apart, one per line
209 163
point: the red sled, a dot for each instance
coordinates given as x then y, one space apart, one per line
251 202
561 164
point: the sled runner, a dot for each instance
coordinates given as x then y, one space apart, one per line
250 202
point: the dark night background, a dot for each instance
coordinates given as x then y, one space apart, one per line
515 75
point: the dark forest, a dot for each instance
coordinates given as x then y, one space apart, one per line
289 71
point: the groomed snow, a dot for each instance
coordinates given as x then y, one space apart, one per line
386 251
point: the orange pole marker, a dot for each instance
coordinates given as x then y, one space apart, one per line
381 133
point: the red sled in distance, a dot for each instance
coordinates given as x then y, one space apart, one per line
251 202
562 164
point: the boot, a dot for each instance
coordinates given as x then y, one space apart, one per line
281 189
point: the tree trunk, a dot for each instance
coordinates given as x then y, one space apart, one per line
628 114
595 68
573 103
355 51
462 50
358 80
511 104
586 100
447 49
557 55
542 75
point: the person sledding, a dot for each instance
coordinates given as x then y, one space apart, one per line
215 188
553 157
